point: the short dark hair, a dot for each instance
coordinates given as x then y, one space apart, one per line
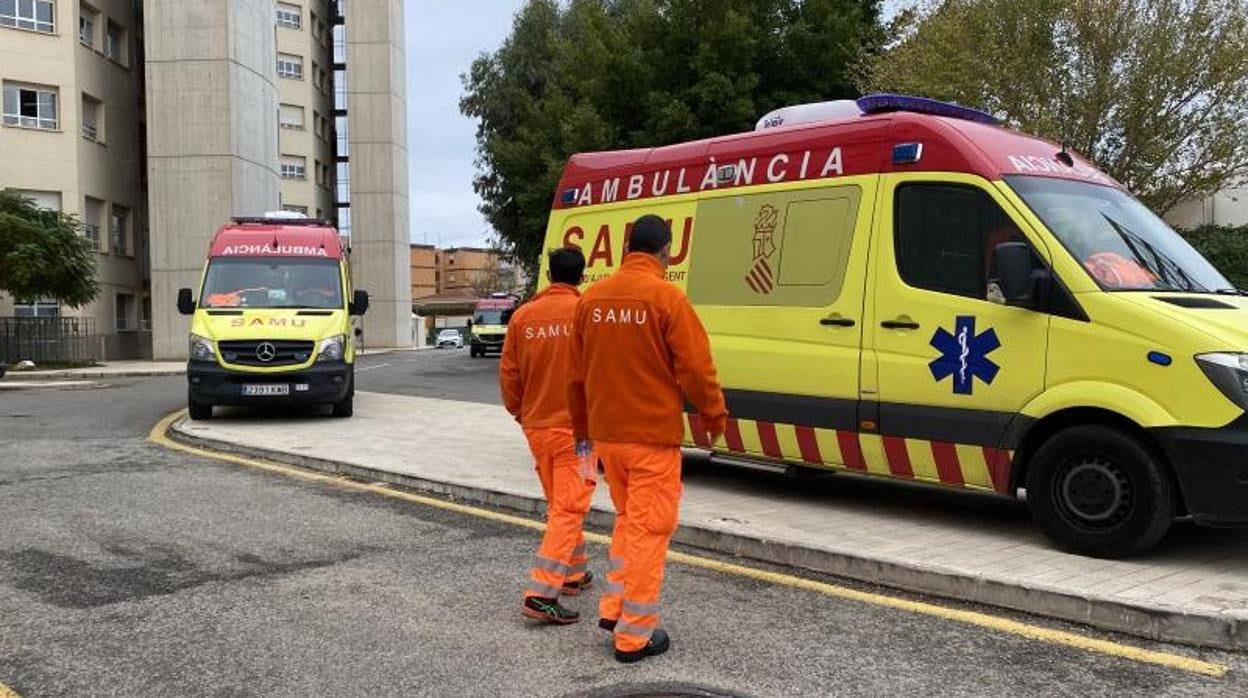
567 265
650 235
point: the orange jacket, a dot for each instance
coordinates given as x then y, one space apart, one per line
639 350
537 359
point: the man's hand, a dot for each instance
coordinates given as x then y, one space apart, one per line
715 427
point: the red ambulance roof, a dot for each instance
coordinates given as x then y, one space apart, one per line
850 146
275 240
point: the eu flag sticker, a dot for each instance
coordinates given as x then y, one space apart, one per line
964 355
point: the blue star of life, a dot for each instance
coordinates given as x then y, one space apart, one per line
964 355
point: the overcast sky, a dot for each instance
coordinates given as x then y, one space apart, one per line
443 38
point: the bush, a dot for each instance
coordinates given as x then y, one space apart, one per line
1225 247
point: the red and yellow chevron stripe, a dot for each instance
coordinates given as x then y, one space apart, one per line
938 462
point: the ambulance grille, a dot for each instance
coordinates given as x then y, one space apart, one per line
252 352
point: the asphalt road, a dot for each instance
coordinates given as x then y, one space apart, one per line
128 569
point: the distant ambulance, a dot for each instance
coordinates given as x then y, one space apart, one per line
903 288
272 324
489 323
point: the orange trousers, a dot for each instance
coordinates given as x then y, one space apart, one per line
645 488
561 556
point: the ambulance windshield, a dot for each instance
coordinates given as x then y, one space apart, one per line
492 317
1123 245
268 282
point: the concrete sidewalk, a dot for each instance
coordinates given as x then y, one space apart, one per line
113 369
1192 589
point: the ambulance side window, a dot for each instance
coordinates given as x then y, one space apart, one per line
945 235
777 249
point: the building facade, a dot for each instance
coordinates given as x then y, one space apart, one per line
226 108
462 272
424 264
72 137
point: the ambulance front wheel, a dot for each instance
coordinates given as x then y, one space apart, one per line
197 410
1100 491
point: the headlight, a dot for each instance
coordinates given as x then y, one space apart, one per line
1229 372
331 349
202 349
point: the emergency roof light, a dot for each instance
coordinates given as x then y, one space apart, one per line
883 103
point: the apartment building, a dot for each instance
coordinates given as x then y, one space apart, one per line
305 72
72 137
230 108
461 270
425 274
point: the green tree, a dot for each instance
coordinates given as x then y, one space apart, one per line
43 253
1154 91
592 75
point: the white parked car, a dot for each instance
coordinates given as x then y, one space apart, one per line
450 338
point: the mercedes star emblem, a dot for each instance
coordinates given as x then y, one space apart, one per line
266 352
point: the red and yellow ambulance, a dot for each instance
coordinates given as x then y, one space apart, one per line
273 321
904 288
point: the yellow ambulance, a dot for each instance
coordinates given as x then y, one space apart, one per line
272 324
903 288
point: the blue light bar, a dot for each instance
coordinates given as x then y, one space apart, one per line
907 153
569 196
881 103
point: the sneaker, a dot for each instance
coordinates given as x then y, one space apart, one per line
659 643
574 588
548 610
607 624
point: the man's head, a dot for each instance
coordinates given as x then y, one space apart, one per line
651 236
567 266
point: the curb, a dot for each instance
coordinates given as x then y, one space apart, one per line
87 375
1157 623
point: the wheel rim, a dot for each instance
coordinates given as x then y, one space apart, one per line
1094 492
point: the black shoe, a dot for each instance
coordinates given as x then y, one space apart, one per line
607 624
659 643
574 588
548 610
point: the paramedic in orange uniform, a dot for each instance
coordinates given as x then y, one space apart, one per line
639 351
533 376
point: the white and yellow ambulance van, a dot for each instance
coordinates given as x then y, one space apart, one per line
272 324
904 288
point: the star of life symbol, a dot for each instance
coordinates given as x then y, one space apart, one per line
760 278
964 355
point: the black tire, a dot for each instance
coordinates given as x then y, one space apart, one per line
346 406
1100 491
197 410
474 353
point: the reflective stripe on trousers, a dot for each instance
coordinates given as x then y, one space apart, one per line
561 556
645 488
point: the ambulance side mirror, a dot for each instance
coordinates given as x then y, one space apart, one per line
359 304
186 301
1015 277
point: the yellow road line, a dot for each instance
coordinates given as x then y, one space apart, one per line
6 692
1000 624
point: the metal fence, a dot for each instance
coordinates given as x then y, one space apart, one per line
49 339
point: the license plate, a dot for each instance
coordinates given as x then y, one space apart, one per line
266 389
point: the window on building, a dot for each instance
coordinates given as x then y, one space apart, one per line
294 167
30 106
943 237
291 116
344 221
125 312
289 16
50 200
289 66
343 182
41 308
92 212
35 15
340 90
316 75
119 230
303 210
92 119
340 43
88 17
340 133
115 43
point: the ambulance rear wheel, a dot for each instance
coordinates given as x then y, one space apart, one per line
197 410
1100 491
